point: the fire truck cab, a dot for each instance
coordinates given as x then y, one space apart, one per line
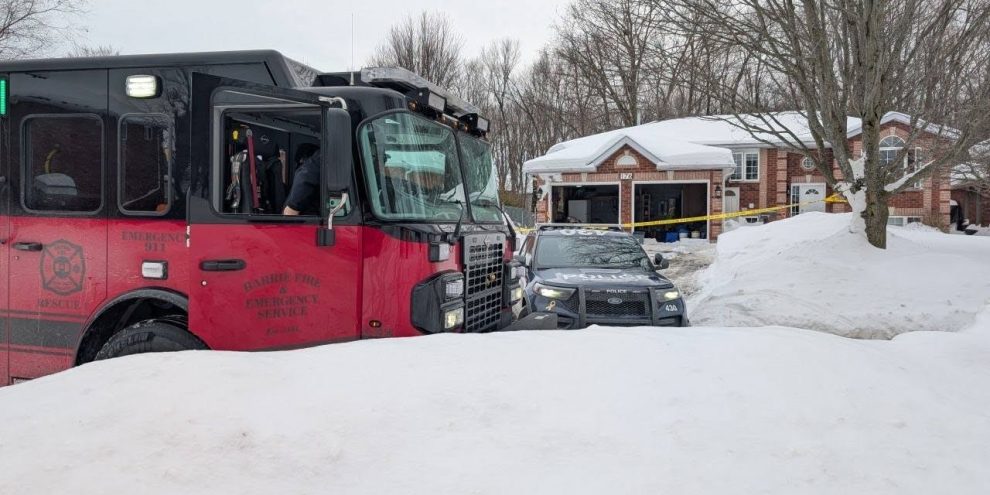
238 201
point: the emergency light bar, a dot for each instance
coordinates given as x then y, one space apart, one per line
579 226
409 81
3 97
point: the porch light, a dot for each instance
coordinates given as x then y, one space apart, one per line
718 191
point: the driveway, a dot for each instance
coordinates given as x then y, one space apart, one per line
687 259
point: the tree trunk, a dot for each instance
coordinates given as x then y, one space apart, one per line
875 216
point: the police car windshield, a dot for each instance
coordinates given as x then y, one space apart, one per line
412 168
589 249
482 181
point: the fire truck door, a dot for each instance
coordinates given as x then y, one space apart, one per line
258 278
58 204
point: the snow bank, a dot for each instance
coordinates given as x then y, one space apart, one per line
810 272
687 411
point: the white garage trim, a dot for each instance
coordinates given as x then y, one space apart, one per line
708 198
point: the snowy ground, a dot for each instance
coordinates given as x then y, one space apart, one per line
700 410
687 259
632 411
809 272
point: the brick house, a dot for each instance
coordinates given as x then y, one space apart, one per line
673 169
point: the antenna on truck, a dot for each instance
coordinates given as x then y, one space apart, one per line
352 49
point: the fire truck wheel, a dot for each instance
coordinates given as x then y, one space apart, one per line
149 336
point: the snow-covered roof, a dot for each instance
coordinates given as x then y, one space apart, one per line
726 130
586 153
693 142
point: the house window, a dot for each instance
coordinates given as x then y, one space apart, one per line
795 199
902 221
747 165
808 164
890 146
627 160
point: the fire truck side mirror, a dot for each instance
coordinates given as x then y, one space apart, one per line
338 170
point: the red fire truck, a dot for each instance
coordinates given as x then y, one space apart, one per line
146 206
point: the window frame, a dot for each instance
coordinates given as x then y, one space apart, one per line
742 165
26 163
373 174
218 112
910 159
169 193
905 220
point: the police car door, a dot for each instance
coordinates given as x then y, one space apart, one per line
259 279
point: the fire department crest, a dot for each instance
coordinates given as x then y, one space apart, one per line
62 268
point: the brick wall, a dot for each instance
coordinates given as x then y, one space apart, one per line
612 171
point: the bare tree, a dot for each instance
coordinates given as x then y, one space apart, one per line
29 27
93 51
425 44
974 173
609 43
861 58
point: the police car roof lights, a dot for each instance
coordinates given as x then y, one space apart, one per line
578 226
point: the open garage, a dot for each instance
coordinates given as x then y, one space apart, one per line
585 203
669 200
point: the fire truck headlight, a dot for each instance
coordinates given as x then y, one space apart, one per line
453 318
437 303
453 288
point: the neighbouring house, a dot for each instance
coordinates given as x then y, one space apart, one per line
972 207
700 166
971 189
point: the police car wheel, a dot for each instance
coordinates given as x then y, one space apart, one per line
149 336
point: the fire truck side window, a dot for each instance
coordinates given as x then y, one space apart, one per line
63 162
147 145
265 151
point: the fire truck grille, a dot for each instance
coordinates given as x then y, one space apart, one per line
483 273
629 305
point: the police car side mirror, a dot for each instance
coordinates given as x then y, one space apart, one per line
337 168
660 262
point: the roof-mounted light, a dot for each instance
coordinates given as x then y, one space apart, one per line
475 123
424 99
406 81
143 86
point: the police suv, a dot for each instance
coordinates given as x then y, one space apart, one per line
590 275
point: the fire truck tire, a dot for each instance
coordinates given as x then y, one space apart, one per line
149 336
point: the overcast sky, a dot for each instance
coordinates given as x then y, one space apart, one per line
312 31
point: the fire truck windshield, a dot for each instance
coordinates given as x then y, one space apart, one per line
412 168
482 182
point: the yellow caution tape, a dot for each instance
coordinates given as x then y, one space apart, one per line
835 198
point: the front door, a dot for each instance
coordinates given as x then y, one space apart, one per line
811 197
730 200
258 278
